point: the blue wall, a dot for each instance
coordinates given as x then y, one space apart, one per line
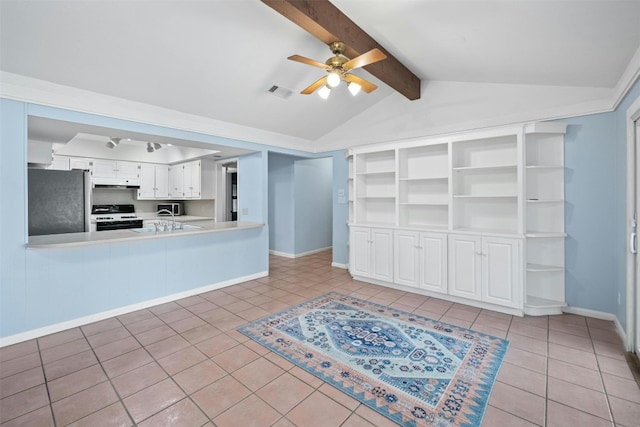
42 287
595 217
313 204
340 207
301 207
281 204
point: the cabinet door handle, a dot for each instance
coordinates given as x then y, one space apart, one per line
633 243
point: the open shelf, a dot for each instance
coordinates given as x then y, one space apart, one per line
388 172
539 268
538 302
543 167
487 168
545 201
545 235
486 196
433 203
425 178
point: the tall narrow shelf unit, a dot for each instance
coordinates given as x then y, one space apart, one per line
487 207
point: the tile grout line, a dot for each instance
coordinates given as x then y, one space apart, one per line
604 388
46 383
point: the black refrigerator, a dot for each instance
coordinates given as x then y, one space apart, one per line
59 201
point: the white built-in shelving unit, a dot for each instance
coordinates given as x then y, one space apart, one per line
486 206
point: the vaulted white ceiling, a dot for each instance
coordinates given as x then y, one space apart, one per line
481 62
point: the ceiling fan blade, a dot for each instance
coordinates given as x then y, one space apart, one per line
366 86
314 86
374 55
308 61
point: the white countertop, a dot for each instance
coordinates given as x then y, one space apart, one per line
112 236
179 218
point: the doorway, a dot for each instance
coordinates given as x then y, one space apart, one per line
227 204
633 211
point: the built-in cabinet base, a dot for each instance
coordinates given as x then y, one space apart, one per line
446 297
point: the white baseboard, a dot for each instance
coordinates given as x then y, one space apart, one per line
339 265
293 256
603 316
282 254
81 321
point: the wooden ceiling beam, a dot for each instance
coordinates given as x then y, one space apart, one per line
327 23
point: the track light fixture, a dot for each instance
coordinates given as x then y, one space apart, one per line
113 142
153 146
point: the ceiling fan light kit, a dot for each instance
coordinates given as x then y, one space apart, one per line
354 88
324 92
339 67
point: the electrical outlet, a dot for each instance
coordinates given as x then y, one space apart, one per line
245 211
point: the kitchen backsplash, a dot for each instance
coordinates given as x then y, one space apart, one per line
104 196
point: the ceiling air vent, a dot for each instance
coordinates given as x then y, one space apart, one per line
280 92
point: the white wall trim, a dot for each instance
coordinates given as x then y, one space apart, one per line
282 254
633 114
293 256
600 315
340 265
628 78
27 89
81 321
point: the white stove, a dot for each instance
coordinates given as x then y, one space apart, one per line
115 217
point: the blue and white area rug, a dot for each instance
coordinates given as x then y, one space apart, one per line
413 370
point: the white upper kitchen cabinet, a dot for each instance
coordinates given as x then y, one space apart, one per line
115 169
154 181
176 182
193 180
80 163
60 163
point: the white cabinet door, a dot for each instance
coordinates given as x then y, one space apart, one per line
105 168
78 163
465 266
406 256
359 251
187 179
433 262
192 180
382 254
162 181
60 163
176 181
147 181
113 169
501 271
128 170
371 253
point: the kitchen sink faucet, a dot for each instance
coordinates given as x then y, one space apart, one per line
173 218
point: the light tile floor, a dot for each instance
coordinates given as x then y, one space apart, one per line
184 364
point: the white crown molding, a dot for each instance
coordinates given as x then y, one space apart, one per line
628 78
27 89
41 92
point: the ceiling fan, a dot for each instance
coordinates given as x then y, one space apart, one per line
339 67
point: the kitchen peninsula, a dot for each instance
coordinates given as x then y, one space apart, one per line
114 236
